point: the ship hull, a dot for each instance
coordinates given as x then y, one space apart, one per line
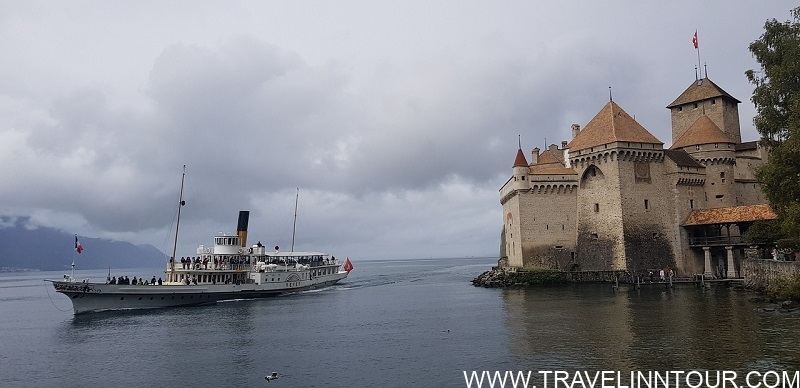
94 297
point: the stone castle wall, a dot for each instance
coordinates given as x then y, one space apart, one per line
764 274
599 241
647 235
548 240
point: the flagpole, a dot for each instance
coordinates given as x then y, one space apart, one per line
697 47
294 224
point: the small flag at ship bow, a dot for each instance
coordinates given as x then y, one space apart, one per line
348 266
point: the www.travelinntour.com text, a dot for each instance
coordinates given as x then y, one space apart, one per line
632 379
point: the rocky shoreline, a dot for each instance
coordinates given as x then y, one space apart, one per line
503 277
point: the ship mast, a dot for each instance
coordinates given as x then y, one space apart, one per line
294 224
181 202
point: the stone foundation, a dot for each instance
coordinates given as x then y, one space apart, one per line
509 277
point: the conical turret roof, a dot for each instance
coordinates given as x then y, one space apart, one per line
520 160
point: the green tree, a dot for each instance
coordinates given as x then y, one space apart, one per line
777 100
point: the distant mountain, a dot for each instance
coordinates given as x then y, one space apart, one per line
51 249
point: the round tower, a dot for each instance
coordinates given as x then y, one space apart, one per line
522 170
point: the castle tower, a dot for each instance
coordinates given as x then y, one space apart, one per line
715 150
705 98
621 209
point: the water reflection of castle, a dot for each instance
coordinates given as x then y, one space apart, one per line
614 199
656 328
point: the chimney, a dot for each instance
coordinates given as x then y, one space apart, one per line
576 129
563 144
535 156
553 149
241 228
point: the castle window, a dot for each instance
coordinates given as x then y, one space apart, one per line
680 109
594 236
646 204
713 101
719 196
722 176
697 147
655 235
695 105
547 227
523 178
716 145
596 207
691 204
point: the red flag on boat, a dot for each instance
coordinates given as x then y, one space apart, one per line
78 246
348 266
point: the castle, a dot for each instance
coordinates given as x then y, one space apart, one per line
614 199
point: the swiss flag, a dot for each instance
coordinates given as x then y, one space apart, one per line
78 246
348 266
694 39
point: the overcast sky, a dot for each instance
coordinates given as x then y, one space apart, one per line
397 120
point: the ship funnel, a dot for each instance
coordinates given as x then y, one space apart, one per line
241 229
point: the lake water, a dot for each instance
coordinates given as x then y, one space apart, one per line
397 323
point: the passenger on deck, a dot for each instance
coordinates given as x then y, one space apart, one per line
183 263
140 282
113 280
159 281
134 280
127 281
153 280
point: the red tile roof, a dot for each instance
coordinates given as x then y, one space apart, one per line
520 161
547 157
730 215
611 124
701 90
703 131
